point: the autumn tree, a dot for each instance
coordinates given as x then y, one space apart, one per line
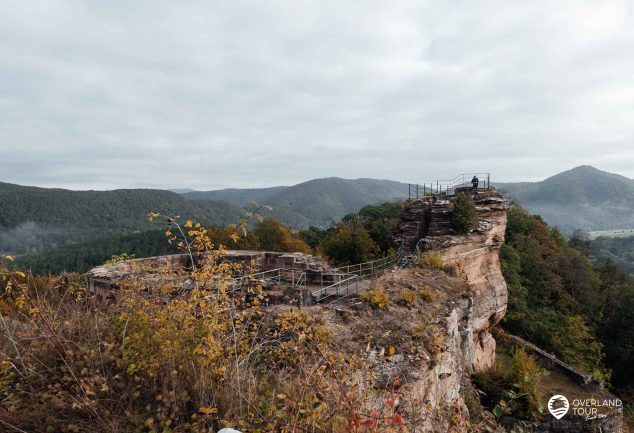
349 243
272 235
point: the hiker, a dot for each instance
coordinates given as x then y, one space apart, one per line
475 182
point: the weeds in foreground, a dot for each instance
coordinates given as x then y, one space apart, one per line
170 356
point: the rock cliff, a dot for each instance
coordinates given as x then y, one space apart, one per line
426 224
445 336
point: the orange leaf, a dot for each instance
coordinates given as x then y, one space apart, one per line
398 420
368 424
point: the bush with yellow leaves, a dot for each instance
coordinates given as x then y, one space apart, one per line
434 261
434 341
407 298
377 298
430 260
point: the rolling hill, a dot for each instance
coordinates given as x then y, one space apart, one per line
582 198
36 219
316 202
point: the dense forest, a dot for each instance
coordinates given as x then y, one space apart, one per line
86 255
314 203
359 236
38 219
560 301
619 250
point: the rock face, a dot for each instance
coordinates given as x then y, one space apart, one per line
461 312
428 365
427 225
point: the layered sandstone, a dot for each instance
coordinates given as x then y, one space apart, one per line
476 256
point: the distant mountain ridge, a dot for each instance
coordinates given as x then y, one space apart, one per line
315 202
581 198
238 196
36 219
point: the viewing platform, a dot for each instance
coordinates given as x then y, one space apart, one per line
451 187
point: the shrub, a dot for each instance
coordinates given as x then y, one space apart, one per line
493 384
427 294
430 260
420 330
407 298
377 298
450 270
434 261
463 215
526 375
434 341
118 258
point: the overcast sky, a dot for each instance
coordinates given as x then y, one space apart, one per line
109 94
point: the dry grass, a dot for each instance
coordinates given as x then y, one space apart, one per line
187 361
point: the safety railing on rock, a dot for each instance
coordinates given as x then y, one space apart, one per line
371 268
346 286
294 277
347 278
449 187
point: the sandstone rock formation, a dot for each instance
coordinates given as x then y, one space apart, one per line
427 225
464 310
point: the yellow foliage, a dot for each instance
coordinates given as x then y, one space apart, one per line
434 341
172 357
430 260
427 294
407 298
434 261
377 298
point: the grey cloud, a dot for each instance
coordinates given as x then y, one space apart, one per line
213 94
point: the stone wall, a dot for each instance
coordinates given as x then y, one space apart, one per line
104 278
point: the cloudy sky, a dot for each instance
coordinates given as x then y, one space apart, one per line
209 94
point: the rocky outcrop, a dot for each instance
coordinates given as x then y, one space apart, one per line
465 308
428 366
451 328
475 255
273 268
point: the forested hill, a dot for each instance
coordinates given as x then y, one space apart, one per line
581 198
239 196
316 202
35 219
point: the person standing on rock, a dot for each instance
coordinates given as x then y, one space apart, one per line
475 182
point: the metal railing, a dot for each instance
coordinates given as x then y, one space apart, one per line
346 277
295 277
338 289
336 282
448 187
369 269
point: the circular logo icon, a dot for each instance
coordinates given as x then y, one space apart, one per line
558 406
